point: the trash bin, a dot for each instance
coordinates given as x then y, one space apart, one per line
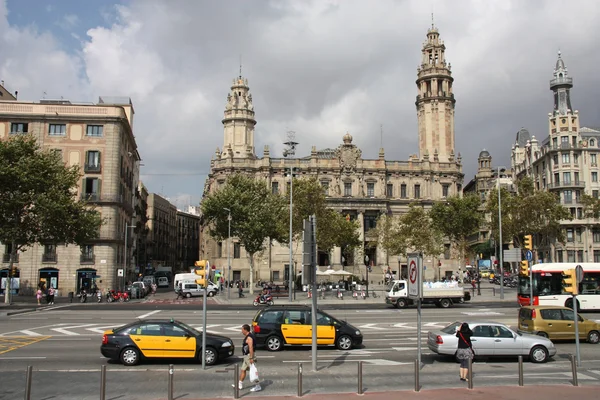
71 294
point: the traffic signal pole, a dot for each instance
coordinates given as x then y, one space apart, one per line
576 322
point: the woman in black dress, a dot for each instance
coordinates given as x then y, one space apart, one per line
465 349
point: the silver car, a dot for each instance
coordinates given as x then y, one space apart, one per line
492 339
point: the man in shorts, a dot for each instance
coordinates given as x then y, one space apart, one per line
248 348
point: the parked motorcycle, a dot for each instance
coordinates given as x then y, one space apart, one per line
266 299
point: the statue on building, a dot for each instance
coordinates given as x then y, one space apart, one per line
228 106
250 105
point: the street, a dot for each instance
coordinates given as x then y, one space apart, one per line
63 345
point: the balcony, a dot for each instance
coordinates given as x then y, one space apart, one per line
49 258
561 81
6 258
87 259
572 184
92 168
563 146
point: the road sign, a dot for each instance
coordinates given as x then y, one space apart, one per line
579 273
528 255
512 255
415 276
120 272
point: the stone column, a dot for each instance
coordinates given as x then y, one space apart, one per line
336 257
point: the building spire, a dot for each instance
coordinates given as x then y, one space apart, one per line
432 24
561 85
240 65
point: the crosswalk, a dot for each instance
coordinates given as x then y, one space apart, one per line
94 329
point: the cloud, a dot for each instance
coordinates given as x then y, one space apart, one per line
320 68
68 21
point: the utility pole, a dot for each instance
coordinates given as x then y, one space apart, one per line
291 151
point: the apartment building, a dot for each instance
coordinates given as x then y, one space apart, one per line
99 138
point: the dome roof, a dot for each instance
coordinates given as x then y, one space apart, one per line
347 138
484 153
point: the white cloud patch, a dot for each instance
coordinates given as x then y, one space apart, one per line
320 68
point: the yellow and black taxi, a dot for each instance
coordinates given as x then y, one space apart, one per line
277 326
162 339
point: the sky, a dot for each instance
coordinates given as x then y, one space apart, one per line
320 68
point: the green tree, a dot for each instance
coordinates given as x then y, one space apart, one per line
37 199
526 212
257 215
457 218
411 231
591 206
332 228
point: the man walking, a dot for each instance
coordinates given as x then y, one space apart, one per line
248 348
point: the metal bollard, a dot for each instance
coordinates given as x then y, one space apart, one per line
470 373
28 382
360 376
170 394
574 369
417 371
299 379
103 382
236 379
494 291
520 370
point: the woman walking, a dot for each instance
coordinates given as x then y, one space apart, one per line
465 349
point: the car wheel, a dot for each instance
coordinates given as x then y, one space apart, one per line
274 343
130 356
445 303
593 337
538 354
401 303
344 342
210 357
543 334
188 295
211 294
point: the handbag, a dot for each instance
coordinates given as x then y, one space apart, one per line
253 373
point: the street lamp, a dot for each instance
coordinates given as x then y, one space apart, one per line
291 151
228 252
500 169
125 254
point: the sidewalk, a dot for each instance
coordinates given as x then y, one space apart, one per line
545 392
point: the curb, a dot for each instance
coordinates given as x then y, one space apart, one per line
27 310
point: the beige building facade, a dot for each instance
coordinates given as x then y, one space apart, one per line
162 227
362 188
565 163
98 138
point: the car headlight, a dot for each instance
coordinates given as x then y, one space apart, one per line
357 333
227 344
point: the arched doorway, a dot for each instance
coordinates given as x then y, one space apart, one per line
86 278
48 277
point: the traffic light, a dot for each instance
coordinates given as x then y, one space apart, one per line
201 270
524 268
570 281
528 242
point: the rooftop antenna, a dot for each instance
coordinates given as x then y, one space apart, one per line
240 65
381 135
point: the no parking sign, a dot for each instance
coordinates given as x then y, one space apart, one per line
415 275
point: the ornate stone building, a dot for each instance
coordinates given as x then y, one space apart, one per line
361 188
565 163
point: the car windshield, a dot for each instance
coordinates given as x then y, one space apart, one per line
189 328
451 329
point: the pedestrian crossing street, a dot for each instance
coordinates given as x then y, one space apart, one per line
93 329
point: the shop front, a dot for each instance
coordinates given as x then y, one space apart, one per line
15 281
48 278
86 279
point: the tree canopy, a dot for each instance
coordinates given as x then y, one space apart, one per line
37 198
256 215
528 211
457 218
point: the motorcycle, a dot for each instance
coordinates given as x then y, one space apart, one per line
266 299
83 295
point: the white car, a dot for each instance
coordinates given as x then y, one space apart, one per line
492 339
163 281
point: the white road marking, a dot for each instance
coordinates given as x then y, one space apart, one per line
30 333
64 330
72 340
149 314
102 328
370 326
403 325
23 358
477 313
404 348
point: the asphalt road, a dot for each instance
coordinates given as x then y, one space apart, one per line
63 347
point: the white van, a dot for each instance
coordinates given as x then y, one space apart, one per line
162 281
192 289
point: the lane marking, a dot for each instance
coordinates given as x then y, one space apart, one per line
30 333
64 330
149 314
16 342
23 358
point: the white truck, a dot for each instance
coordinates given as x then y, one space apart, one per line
441 294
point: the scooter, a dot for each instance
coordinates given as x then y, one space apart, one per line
266 299
99 296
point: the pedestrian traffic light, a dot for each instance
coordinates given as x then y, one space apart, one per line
524 268
201 270
528 242
570 281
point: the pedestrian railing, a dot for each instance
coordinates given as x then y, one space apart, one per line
171 371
